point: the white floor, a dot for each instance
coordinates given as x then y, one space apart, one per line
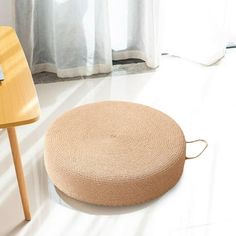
201 99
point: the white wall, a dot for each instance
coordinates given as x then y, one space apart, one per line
7 12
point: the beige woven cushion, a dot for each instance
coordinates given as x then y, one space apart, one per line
114 153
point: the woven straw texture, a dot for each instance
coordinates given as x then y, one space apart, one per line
114 153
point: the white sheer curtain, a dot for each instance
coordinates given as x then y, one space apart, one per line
81 37
76 37
198 30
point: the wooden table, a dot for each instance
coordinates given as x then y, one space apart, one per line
18 100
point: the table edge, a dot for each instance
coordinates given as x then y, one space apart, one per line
19 123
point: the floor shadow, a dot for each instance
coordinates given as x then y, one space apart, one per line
11 214
17 228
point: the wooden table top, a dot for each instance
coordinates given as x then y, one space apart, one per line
18 98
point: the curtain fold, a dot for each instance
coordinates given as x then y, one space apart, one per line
24 23
135 30
75 37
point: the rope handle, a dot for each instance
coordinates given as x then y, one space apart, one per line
195 141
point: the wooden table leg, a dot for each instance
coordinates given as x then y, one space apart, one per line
19 171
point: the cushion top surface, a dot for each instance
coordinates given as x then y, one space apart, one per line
114 144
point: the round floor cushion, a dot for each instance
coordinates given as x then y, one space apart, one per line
114 153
